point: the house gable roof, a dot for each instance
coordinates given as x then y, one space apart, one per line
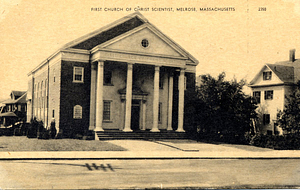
284 73
18 93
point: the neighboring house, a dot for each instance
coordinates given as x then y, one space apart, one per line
126 76
270 87
13 109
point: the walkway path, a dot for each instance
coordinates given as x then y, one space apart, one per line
141 149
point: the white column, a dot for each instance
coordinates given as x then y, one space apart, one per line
144 115
170 108
93 96
155 99
128 98
181 101
99 101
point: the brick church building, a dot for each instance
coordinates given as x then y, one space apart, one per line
127 76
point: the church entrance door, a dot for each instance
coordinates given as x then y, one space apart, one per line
135 115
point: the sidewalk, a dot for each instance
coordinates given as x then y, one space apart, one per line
140 149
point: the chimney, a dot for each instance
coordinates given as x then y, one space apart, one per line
292 55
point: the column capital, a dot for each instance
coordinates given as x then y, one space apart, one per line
100 62
157 67
129 65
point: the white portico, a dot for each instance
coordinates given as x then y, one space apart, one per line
142 46
97 72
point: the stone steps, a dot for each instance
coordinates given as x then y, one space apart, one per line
110 135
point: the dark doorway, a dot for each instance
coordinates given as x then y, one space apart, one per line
135 115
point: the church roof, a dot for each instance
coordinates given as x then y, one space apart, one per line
111 31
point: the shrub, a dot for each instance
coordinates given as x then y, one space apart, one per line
32 128
286 142
52 130
44 135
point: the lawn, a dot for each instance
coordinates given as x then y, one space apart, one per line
22 143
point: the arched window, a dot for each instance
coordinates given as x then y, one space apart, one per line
42 95
77 112
37 95
46 93
35 100
46 86
42 85
35 91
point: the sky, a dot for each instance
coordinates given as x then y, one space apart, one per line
236 42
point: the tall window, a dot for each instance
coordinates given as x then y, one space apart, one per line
35 99
41 90
267 75
78 74
107 77
46 93
46 86
161 80
269 95
256 95
160 112
42 94
38 101
266 119
185 82
106 110
77 112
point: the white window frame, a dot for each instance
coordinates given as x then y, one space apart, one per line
266 119
77 112
271 95
258 99
82 74
267 75
110 110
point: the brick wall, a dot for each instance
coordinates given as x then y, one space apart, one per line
73 94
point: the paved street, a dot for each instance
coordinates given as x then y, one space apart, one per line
154 173
149 164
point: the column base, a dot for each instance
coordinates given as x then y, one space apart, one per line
169 128
127 130
155 130
180 130
98 129
91 128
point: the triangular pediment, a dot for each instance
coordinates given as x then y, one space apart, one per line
143 40
126 35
